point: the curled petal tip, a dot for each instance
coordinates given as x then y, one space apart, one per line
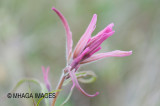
97 93
76 84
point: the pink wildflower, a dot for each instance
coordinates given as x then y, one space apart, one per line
86 48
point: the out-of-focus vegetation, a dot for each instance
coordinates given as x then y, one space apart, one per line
31 35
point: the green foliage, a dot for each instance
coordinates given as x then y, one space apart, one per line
68 97
46 95
24 81
34 81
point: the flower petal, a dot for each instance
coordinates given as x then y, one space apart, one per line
116 53
99 41
79 58
94 51
75 82
106 30
68 32
45 75
86 36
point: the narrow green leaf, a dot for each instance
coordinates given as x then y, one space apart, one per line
46 95
23 81
67 81
68 97
31 92
43 88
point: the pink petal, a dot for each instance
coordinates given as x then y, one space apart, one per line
106 30
94 51
72 87
68 32
86 36
99 41
45 75
75 83
79 58
116 53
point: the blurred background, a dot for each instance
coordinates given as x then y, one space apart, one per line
32 35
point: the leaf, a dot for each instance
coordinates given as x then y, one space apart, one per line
68 97
30 91
90 80
67 81
23 81
83 77
43 88
90 77
45 95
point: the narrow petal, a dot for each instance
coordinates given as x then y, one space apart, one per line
106 30
79 58
94 51
86 36
72 87
75 82
45 75
116 53
99 41
68 32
